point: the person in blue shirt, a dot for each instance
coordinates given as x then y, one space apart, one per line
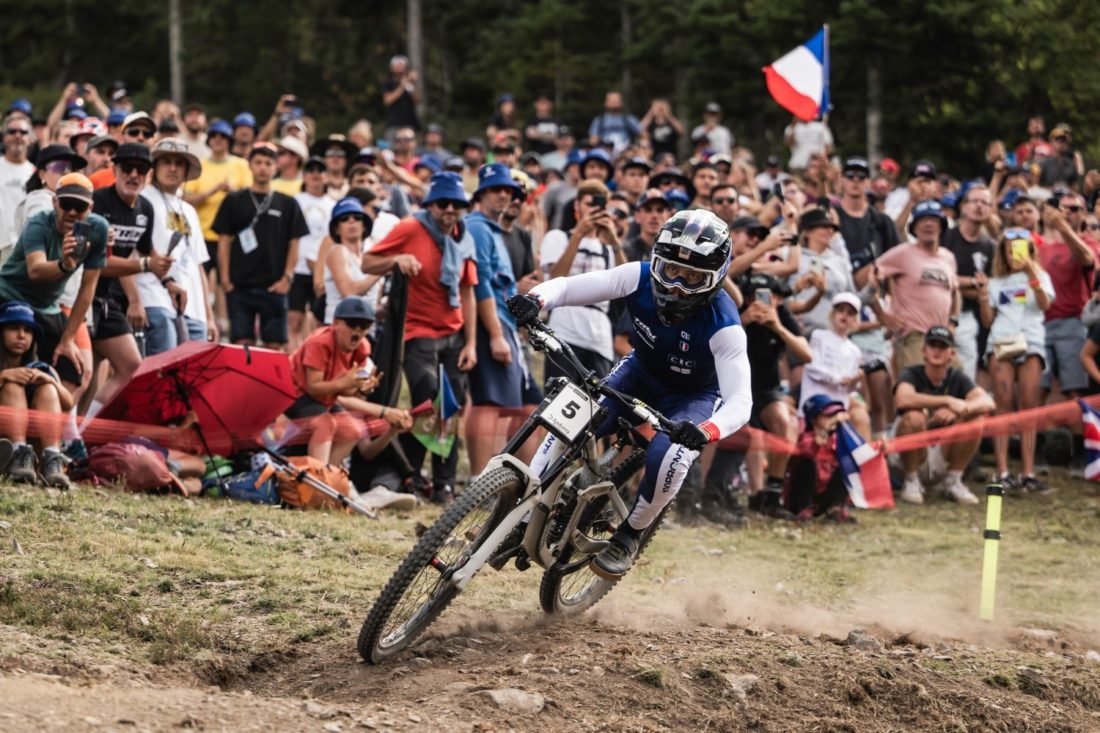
497 380
689 359
614 124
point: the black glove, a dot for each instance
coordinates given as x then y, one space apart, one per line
525 308
689 435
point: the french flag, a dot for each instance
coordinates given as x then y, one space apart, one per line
799 81
1090 422
864 469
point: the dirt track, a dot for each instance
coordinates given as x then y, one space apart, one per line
595 675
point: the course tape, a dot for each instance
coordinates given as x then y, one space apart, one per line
98 431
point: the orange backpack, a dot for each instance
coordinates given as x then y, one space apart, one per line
296 492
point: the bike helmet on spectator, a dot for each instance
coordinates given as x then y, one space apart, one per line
690 260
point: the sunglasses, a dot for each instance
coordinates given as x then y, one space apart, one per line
76 205
16 131
140 132
1073 208
1017 233
619 214
500 189
404 139
59 166
358 323
335 154
853 176
444 205
1093 227
130 168
724 201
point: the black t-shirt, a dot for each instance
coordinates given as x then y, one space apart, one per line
637 249
663 137
133 231
402 113
866 237
764 348
955 384
520 252
969 258
546 126
282 222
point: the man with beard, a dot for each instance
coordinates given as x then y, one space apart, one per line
15 169
194 130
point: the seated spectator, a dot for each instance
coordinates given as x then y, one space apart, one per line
333 363
834 370
1012 306
934 394
814 485
29 383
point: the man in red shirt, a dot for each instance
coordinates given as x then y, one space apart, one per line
435 251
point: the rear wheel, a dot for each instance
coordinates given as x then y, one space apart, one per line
418 591
575 592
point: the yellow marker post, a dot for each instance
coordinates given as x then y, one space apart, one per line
994 496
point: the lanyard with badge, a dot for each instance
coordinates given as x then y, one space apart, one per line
247 236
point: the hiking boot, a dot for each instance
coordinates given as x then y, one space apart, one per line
1032 485
955 489
769 503
53 470
7 451
22 465
912 491
616 559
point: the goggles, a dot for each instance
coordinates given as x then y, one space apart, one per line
690 279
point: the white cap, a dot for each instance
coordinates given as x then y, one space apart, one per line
847 299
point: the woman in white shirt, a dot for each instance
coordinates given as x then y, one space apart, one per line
348 227
1012 303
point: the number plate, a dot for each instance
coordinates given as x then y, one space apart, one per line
569 413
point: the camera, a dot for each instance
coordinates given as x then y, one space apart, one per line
763 281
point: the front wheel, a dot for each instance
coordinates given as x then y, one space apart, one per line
418 591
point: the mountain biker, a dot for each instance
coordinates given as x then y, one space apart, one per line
689 359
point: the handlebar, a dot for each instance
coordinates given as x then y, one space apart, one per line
544 337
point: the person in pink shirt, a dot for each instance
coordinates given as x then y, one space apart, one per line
923 285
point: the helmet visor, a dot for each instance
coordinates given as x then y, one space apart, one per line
689 279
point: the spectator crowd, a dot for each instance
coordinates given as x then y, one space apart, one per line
901 298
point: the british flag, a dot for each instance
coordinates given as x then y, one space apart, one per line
1090 422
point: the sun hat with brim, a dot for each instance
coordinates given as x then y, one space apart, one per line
51 153
172 146
16 312
139 118
296 146
492 175
821 404
348 206
446 186
245 119
429 162
220 127
133 152
75 186
600 156
95 142
333 141
815 218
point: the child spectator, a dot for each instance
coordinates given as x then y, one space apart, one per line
834 370
27 383
1012 306
814 485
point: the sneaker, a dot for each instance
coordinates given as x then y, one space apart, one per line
443 495
616 559
1011 485
7 451
912 491
1032 485
955 489
21 469
76 450
770 504
53 470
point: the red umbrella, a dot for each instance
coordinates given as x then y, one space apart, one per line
235 391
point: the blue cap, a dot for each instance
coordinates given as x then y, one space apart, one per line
16 311
245 119
220 127
678 198
347 206
446 186
354 307
506 97
116 117
600 155
494 174
821 404
950 200
1008 198
21 105
429 162
73 112
574 157
925 210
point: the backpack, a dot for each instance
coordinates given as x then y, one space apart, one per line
297 493
143 468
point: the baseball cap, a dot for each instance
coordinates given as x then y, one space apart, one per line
821 404
923 169
847 298
75 186
354 308
940 334
638 162
889 165
16 311
116 117
73 112
712 108
857 163
454 163
314 162
168 125
21 105
133 151
294 145
220 127
651 195
142 118
772 161
98 140
435 127
530 157
194 107
472 142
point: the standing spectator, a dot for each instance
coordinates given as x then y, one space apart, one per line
176 307
316 209
719 137
1065 166
592 245
433 144
662 128
704 177
293 155
633 177
816 230
473 156
436 252
504 122
806 139
400 95
337 153
1012 306
139 127
652 213
922 186
933 394
245 128
53 162
100 152
194 130
557 158
1036 135
541 130
348 226
771 175
497 380
556 200
1071 263
725 203
867 232
973 250
614 124
923 285
15 171
258 231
